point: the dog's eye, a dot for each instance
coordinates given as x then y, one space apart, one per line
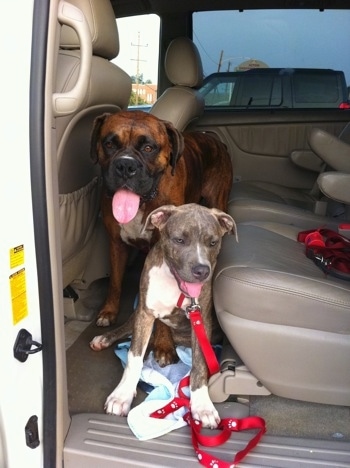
109 145
148 149
213 243
178 240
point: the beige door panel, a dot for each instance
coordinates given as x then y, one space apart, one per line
262 150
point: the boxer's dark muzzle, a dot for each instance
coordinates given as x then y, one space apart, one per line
129 173
126 167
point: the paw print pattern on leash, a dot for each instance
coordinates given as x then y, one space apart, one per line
232 424
214 463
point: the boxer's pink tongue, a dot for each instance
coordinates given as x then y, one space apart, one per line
125 205
191 289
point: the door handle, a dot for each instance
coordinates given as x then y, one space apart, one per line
70 101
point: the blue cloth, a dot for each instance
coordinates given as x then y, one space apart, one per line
159 382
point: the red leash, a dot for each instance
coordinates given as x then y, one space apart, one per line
194 313
227 425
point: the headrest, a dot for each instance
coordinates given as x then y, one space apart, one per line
183 64
103 27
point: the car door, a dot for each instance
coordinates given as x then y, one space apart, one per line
27 344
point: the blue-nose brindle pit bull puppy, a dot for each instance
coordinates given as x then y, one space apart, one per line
182 261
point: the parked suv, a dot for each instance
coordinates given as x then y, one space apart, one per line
277 88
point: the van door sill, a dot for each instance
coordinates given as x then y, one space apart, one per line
104 441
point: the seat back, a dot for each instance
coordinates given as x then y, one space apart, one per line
108 90
181 103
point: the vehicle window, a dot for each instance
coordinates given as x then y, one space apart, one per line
219 91
260 91
237 41
138 56
312 88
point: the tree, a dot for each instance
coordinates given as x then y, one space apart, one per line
132 101
137 78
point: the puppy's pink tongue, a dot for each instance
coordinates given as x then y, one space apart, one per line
125 205
191 289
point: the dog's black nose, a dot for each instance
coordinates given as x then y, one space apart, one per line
200 272
126 167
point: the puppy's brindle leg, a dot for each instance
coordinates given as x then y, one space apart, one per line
202 407
119 401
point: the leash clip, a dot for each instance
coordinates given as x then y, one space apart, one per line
319 258
193 307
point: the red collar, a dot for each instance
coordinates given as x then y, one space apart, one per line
180 301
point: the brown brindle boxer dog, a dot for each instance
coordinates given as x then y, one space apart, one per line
147 163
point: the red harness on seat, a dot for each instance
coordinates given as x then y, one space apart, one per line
227 425
329 250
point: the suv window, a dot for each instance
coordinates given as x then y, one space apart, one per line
259 90
276 88
283 39
218 91
311 88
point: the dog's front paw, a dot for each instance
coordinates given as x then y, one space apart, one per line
119 403
165 356
99 342
106 318
203 409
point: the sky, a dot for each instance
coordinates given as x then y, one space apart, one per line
306 38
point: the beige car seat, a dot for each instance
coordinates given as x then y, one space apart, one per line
287 322
84 63
181 104
263 201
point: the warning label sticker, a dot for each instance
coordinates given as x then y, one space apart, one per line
19 295
17 256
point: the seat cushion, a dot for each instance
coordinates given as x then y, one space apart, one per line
264 201
268 262
265 191
288 322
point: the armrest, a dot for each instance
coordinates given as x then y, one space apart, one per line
332 150
307 160
335 185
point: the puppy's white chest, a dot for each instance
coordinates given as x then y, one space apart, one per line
163 292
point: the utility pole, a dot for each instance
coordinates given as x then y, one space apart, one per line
220 60
138 60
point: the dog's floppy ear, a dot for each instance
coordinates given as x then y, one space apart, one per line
226 222
177 143
95 134
159 217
